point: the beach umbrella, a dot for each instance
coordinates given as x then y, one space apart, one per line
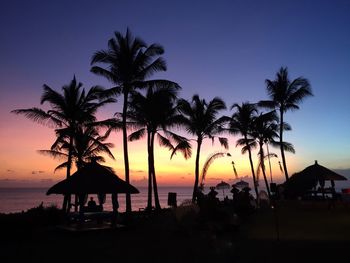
222 186
241 184
93 178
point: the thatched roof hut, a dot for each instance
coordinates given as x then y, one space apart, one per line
93 178
309 178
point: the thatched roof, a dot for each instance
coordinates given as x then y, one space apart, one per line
308 178
93 178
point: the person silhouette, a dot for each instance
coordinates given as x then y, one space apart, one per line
92 204
115 205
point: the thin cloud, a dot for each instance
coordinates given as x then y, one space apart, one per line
37 172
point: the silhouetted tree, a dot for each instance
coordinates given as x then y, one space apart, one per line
241 123
69 110
285 94
201 120
129 63
88 145
264 130
153 114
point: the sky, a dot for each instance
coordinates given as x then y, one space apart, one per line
212 48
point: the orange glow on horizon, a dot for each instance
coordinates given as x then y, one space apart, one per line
22 138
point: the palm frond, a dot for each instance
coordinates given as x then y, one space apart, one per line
184 147
165 142
137 135
39 116
224 142
54 154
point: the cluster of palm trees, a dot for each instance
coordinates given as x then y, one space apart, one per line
152 109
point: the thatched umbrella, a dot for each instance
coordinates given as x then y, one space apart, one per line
223 185
308 178
93 178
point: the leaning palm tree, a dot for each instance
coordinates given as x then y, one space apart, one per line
201 120
69 110
154 114
129 63
241 123
285 95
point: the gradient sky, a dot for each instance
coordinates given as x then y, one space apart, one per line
213 48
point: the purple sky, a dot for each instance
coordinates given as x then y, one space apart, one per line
214 48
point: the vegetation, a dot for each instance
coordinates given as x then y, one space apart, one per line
151 108
69 112
241 123
200 119
264 131
285 95
154 113
129 63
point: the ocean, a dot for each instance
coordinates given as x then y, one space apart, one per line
14 200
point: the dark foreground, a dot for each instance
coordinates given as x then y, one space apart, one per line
307 233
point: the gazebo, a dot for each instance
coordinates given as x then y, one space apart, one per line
308 179
93 178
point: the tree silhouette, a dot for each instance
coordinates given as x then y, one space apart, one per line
70 110
200 119
264 130
154 114
241 123
88 145
285 95
129 63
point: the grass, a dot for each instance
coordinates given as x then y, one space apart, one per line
301 221
308 233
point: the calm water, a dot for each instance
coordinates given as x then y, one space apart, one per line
20 199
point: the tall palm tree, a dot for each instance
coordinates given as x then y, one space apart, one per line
201 120
69 110
264 130
285 95
129 63
153 114
241 123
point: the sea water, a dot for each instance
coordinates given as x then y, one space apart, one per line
14 200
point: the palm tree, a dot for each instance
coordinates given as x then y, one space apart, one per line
285 95
88 145
69 110
241 123
264 130
129 63
153 114
200 119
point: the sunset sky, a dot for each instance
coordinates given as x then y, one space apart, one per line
213 48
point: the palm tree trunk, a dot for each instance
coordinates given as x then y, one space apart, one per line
149 199
125 148
262 155
67 197
268 156
281 145
252 169
195 188
155 187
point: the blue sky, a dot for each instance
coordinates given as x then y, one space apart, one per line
214 48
